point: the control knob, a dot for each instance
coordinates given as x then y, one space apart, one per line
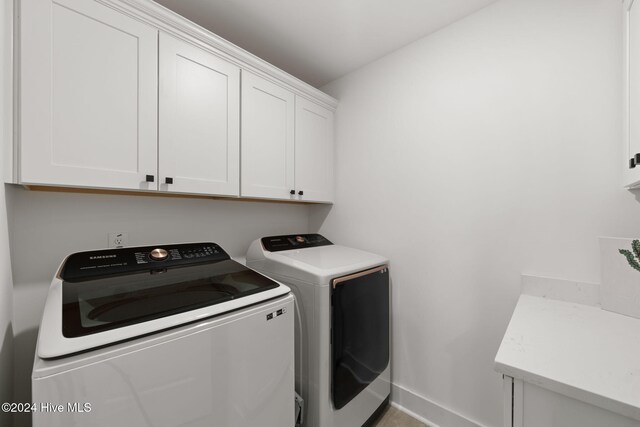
159 254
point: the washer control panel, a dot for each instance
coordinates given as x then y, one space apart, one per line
98 264
196 252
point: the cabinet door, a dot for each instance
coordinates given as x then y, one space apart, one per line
512 401
199 140
88 96
267 139
632 133
314 151
527 405
544 408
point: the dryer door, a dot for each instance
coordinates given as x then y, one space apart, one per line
359 332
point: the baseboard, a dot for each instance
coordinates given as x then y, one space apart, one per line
428 411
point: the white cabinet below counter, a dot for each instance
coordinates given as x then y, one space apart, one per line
127 95
569 365
528 405
287 144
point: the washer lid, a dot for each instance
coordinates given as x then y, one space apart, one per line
99 305
102 297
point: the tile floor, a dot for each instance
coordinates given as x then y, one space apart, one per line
393 417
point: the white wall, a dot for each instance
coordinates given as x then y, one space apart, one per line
486 150
6 289
45 227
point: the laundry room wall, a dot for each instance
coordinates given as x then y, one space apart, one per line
6 286
6 312
486 150
47 226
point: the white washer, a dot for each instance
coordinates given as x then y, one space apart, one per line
342 349
174 336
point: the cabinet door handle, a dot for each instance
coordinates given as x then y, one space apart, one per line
637 158
292 192
150 178
168 180
632 163
300 193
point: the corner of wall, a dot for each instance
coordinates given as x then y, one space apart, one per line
6 149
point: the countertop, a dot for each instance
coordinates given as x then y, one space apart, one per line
577 350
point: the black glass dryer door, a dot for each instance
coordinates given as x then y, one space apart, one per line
360 332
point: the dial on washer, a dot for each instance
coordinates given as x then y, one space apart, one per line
159 254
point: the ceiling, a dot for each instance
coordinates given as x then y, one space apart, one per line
321 40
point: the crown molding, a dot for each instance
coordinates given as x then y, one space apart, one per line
178 26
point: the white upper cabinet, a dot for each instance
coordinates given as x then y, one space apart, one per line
126 95
199 120
88 106
287 144
314 152
268 113
632 115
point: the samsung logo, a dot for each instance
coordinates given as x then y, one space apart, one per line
102 256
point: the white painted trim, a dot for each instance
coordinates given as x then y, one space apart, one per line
507 401
414 415
627 4
7 91
631 176
14 169
427 411
518 403
180 27
626 94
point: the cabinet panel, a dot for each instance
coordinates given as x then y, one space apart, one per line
633 63
527 405
199 140
314 151
544 408
267 138
88 96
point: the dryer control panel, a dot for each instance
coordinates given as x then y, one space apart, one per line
294 241
97 264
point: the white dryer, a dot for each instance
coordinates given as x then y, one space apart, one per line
342 336
178 335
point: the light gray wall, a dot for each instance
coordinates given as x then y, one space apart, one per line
486 150
6 286
45 227
6 312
